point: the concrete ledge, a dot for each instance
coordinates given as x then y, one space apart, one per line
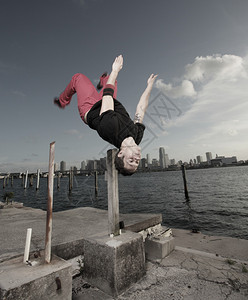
138 226
69 249
159 247
42 281
114 264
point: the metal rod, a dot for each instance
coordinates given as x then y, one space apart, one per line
49 205
113 194
27 245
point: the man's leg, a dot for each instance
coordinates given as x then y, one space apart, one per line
81 85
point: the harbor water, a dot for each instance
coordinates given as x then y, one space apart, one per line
218 197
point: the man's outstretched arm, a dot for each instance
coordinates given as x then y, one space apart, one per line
144 100
107 100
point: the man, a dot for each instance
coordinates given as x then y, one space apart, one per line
103 113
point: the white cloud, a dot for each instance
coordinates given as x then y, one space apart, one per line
74 132
19 94
71 131
185 89
226 67
218 113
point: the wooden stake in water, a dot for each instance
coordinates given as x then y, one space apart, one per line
96 184
58 181
4 182
48 240
113 194
26 180
38 179
27 245
70 179
31 180
185 183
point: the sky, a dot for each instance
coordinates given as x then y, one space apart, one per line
198 48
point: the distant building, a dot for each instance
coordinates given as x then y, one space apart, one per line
155 162
162 159
56 167
222 160
92 165
143 163
167 160
148 159
209 157
62 166
83 165
199 159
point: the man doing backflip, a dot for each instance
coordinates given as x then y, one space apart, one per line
105 114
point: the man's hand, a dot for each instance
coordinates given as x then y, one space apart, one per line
117 64
151 79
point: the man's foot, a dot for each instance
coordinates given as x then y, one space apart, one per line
56 102
99 86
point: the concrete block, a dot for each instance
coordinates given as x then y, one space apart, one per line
159 247
114 264
41 281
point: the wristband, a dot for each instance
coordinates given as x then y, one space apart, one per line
108 90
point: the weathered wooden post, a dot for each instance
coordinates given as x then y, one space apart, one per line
4 182
70 179
185 183
113 194
31 180
12 180
38 180
58 181
26 180
49 205
96 184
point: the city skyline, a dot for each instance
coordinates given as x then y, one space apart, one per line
66 165
149 161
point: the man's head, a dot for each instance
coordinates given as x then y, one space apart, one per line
127 160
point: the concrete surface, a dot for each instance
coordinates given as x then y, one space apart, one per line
69 229
159 247
113 264
201 267
37 280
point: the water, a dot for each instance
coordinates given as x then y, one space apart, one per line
218 198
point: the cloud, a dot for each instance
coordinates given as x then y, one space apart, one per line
71 131
217 113
19 94
185 89
216 67
74 132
